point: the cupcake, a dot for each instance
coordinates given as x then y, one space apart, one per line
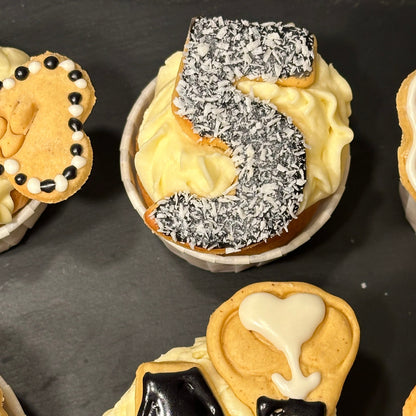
9 405
409 408
251 363
41 99
242 144
406 153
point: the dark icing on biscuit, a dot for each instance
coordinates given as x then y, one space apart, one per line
267 148
12 166
184 393
291 407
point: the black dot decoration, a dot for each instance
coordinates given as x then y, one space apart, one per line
70 172
20 178
48 185
76 149
51 62
1 169
21 73
75 75
75 97
1 85
74 124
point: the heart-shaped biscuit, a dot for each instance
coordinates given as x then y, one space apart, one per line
43 149
307 343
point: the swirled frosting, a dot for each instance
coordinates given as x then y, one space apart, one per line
10 58
168 161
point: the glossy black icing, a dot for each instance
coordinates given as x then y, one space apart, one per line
70 172
76 149
291 407
184 393
75 124
48 185
21 73
20 178
75 97
51 62
75 75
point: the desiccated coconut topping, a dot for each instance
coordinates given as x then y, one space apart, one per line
266 148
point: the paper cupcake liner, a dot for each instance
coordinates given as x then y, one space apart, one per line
12 233
409 206
11 404
206 261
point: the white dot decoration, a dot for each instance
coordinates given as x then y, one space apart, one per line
33 185
11 166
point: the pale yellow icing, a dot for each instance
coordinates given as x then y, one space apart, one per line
168 161
196 354
287 324
10 58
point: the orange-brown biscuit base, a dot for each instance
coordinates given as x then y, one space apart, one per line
169 367
407 133
2 411
247 361
43 148
409 408
19 200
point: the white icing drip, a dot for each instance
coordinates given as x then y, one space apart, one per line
76 109
79 161
411 114
68 65
78 135
287 324
8 83
34 67
81 83
61 183
33 185
11 166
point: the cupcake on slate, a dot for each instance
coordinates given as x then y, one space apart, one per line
406 108
247 133
45 157
252 364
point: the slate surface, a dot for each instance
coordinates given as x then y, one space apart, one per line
90 293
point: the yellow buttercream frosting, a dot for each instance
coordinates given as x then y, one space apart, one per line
169 161
10 58
6 202
195 354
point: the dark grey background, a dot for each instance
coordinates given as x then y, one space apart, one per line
90 293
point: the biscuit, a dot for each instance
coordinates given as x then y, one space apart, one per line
406 108
284 341
44 151
409 408
2 411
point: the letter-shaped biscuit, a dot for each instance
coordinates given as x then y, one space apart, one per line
277 342
266 147
44 151
406 153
